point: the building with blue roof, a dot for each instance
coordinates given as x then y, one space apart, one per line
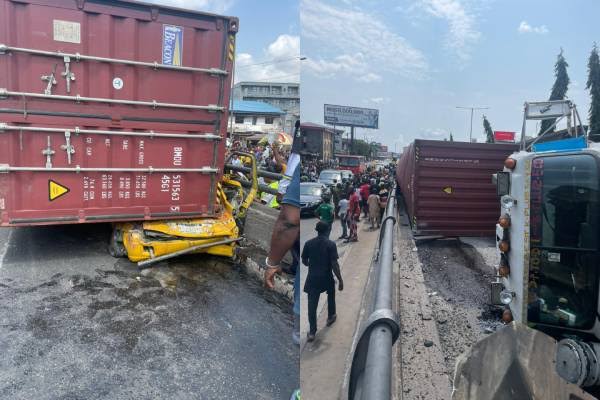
254 117
283 95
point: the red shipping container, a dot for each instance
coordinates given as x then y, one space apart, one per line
447 186
111 111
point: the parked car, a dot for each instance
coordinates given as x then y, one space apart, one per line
347 174
328 176
311 196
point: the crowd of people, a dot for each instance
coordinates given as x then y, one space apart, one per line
364 194
270 157
312 169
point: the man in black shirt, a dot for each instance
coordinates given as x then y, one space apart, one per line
321 256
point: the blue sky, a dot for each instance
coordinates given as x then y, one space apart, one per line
416 60
269 31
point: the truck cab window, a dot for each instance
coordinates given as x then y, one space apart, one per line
564 227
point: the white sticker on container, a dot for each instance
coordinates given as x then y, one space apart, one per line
553 257
118 83
67 31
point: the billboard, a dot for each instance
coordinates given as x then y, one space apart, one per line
504 136
351 116
547 109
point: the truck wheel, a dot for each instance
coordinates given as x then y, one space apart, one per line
115 246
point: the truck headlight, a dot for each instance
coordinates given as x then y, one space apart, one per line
506 296
507 202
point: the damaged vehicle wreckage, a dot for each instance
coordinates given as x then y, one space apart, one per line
133 135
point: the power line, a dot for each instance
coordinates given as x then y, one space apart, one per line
297 58
275 77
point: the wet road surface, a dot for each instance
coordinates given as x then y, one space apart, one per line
76 323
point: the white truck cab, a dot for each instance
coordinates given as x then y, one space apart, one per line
548 235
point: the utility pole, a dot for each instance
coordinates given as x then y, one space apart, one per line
472 109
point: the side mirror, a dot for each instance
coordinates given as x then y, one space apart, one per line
495 289
502 183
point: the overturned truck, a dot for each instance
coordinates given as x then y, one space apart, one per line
548 278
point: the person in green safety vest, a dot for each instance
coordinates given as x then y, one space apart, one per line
270 199
273 203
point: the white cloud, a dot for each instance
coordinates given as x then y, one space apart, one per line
463 33
355 65
212 6
279 62
379 100
370 77
434 134
364 44
524 27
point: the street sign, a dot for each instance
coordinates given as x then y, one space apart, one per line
351 116
547 109
504 136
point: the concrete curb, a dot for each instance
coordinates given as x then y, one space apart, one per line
284 283
251 255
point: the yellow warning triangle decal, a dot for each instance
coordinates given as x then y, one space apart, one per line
447 190
56 190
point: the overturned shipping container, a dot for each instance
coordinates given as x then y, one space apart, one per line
111 110
447 186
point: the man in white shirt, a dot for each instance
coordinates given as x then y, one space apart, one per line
343 210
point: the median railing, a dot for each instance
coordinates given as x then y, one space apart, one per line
371 370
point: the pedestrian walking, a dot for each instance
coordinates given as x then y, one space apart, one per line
336 195
364 196
374 209
321 256
353 216
383 198
342 212
325 213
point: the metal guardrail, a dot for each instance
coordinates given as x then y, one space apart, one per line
371 370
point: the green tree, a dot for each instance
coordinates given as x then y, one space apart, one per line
593 85
559 89
489 133
361 148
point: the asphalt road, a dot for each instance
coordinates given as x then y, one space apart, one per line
76 323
